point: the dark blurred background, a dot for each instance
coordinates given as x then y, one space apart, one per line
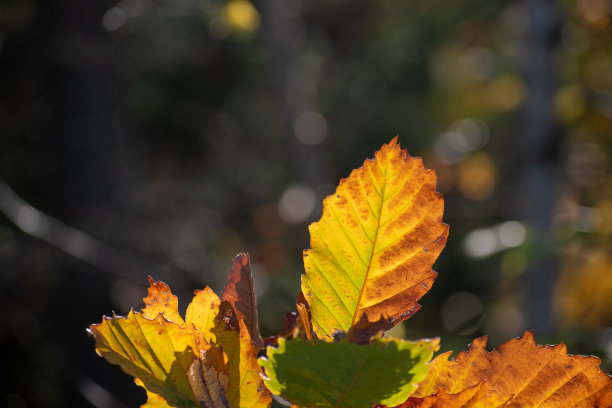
162 137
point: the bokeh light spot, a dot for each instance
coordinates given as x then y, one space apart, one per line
310 128
114 19
297 203
241 14
477 176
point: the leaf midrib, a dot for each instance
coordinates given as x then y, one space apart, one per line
353 380
369 266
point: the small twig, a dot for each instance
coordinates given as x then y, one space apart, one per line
77 243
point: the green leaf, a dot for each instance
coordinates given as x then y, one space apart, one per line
344 374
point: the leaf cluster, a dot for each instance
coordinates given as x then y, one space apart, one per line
370 261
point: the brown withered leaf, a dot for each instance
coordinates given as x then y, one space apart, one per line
240 293
373 249
295 324
518 374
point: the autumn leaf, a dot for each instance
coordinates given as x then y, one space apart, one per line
246 387
157 351
153 400
240 293
202 311
161 300
518 374
168 356
209 378
344 374
372 251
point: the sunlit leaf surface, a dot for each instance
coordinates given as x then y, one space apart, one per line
246 386
153 400
202 311
176 360
518 374
161 300
344 374
157 351
372 251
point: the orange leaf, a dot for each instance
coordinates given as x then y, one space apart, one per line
161 300
373 249
240 292
518 374
442 399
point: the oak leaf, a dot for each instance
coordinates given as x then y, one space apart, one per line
372 251
344 374
518 374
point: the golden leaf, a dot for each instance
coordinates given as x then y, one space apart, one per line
246 386
202 311
372 251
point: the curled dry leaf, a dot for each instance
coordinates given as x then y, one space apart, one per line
372 251
296 324
518 374
209 378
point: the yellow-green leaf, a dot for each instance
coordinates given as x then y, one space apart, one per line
372 251
157 351
169 357
153 400
246 387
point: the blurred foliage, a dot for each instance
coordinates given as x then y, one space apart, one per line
183 132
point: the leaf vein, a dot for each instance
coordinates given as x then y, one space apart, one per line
332 287
348 237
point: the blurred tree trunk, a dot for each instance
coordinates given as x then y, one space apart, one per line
81 85
539 152
283 30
